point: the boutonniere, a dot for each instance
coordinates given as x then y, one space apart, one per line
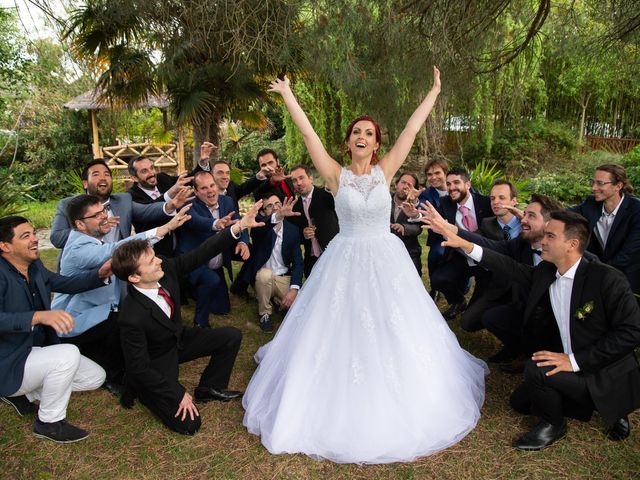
585 310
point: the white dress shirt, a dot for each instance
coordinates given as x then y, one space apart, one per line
152 294
605 221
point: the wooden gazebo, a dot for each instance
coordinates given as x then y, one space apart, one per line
168 156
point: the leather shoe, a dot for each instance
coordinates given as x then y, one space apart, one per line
505 355
620 430
454 310
206 394
113 388
542 435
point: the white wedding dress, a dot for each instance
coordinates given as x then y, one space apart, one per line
364 369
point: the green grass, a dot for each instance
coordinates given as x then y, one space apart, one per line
40 214
133 444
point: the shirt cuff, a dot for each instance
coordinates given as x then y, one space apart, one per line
204 164
296 287
213 225
261 177
574 364
166 196
164 209
233 234
415 220
152 236
476 253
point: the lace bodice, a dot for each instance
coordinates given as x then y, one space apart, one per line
363 203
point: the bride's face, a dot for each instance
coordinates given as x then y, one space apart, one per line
362 141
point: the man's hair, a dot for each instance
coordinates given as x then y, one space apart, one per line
416 182
78 206
266 151
436 162
547 205
199 174
270 194
618 175
575 227
8 226
512 189
131 166
461 172
126 258
220 162
96 161
306 168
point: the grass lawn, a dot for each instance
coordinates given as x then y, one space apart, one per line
133 444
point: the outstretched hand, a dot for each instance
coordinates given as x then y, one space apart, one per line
249 220
436 79
454 241
286 210
176 221
280 86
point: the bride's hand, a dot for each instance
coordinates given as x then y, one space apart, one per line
279 86
436 79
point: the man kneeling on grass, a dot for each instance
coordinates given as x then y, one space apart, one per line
154 341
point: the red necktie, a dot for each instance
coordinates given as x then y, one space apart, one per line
166 296
285 189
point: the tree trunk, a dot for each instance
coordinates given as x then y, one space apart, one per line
584 104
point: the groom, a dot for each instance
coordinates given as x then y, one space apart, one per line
581 323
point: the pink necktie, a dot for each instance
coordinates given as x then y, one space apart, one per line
467 220
315 246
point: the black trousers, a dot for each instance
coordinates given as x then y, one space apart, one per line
505 322
101 343
554 397
222 346
309 262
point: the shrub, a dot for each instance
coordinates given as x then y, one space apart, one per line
567 187
631 162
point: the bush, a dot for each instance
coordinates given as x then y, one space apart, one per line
631 162
567 187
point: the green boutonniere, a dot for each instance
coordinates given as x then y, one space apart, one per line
585 310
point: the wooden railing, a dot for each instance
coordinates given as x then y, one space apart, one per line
614 145
165 156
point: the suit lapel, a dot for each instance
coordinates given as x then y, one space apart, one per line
578 284
539 288
116 208
620 218
155 310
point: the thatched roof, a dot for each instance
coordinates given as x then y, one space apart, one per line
89 101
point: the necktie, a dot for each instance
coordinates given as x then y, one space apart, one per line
155 194
467 220
604 226
167 298
506 232
315 246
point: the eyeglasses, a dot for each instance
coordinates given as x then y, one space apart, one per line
96 215
269 206
600 183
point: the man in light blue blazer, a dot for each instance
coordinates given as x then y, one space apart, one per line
121 209
95 331
210 213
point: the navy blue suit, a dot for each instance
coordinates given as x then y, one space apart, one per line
212 295
264 239
622 250
436 251
17 307
451 275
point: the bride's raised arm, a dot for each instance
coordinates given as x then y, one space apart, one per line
394 159
327 167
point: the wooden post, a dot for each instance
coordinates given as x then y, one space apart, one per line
97 151
180 152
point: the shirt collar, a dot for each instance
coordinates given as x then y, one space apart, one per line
571 273
149 191
309 195
615 210
468 203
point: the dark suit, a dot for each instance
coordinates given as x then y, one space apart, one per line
154 344
436 250
264 239
410 237
451 275
322 211
283 188
212 295
236 192
622 250
17 307
602 343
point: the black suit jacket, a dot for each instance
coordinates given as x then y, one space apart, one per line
448 210
622 250
322 211
236 192
165 182
267 187
264 239
602 343
151 340
411 233
490 228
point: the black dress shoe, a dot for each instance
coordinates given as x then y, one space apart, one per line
505 355
206 394
21 404
542 435
620 430
454 310
113 388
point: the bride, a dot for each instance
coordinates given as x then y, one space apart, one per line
363 369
